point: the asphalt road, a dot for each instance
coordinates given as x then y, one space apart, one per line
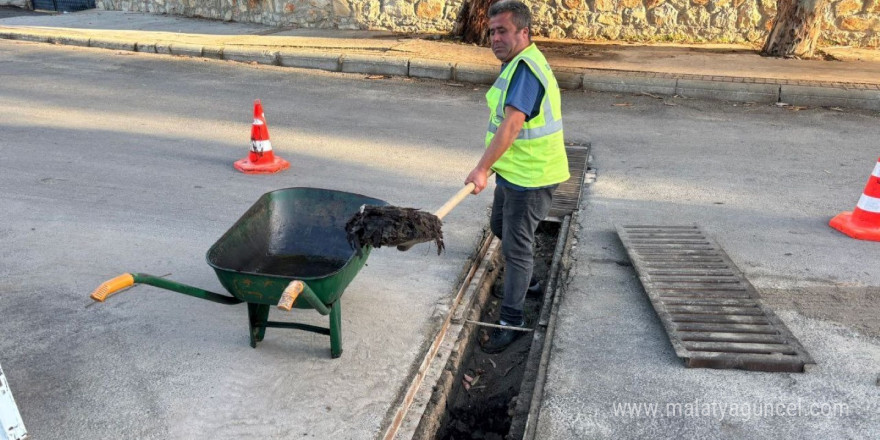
122 162
119 161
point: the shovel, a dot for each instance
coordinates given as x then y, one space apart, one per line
402 227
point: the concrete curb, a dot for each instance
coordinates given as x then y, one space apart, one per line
608 82
112 44
432 69
476 73
185 50
827 96
375 65
763 90
250 55
310 60
729 91
72 40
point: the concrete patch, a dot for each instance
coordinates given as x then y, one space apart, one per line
476 73
605 82
375 65
827 96
31 37
729 91
146 47
215 52
164 48
107 43
309 60
249 55
433 69
187 50
71 40
568 79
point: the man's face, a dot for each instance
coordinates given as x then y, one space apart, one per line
507 40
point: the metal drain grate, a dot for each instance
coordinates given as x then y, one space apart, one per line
567 197
712 314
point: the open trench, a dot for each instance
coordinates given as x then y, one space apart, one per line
489 396
486 390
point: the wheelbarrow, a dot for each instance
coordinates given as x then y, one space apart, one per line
288 250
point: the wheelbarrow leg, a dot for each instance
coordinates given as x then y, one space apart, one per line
258 315
336 329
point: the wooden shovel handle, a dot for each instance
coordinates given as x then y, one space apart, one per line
457 198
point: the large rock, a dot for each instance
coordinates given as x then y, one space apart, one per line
429 9
847 7
859 24
398 8
581 32
748 17
603 5
664 16
696 17
341 8
609 19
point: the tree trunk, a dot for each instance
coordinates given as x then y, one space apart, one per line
796 28
472 24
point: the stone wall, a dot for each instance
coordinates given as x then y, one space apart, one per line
846 22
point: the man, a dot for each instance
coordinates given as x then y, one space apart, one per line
525 148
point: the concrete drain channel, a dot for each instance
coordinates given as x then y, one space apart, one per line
459 392
464 393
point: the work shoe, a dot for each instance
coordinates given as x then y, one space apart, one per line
534 289
501 338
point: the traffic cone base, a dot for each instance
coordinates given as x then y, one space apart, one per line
863 222
262 167
261 159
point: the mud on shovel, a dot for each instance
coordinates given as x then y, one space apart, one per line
379 226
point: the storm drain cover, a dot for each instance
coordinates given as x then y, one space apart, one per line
712 314
567 197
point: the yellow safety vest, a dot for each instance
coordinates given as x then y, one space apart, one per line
537 157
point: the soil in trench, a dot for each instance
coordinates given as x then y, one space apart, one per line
487 385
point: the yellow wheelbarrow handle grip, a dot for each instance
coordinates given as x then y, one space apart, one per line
110 287
291 293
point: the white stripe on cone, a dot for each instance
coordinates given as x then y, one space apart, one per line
257 122
876 172
261 146
868 203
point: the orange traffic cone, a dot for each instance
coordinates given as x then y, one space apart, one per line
261 159
863 222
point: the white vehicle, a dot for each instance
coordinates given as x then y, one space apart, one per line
10 419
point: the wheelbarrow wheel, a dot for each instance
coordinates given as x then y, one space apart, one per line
258 316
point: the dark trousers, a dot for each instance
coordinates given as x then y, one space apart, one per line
515 217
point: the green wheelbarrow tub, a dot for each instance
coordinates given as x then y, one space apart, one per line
290 240
290 234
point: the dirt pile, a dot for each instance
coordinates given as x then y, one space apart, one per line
379 226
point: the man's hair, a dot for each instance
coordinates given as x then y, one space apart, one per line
521 15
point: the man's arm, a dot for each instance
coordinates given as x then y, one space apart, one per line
504 137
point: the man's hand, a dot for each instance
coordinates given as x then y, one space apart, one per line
479 177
